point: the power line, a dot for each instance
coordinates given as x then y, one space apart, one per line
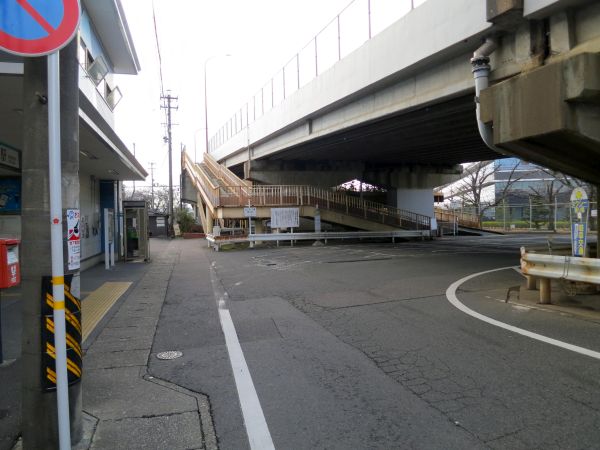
162 91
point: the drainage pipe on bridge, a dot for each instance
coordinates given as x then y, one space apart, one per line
481 73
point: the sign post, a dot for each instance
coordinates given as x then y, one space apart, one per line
580 207
250 212
36 29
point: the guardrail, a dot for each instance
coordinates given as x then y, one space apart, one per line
217 241
548 267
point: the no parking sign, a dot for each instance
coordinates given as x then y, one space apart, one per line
37 27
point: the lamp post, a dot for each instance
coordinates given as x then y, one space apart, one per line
195 145
206 101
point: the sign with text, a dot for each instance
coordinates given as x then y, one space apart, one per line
250 211
580 207
10 157
285 217
73 239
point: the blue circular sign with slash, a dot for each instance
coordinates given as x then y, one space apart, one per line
37 27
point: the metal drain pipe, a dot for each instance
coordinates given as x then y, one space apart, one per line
481 73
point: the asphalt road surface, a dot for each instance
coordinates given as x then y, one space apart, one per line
356 346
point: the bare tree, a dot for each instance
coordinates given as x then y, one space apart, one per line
471 189
157 198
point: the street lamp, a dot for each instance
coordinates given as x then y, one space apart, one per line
195 145
206 101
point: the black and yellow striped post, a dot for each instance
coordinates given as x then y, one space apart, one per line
73 334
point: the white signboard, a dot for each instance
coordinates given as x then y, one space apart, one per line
73 240
250 211
10 157
285 217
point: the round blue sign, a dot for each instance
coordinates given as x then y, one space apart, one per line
37 27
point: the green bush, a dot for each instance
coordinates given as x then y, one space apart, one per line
186 221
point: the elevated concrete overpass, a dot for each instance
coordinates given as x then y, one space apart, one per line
399 111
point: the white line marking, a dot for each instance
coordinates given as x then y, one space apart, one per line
257 429
452 298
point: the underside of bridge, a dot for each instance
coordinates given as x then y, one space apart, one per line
437 137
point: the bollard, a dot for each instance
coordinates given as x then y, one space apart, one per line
545 291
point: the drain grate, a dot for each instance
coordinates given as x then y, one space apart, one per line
172 354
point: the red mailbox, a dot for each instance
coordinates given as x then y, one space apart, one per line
10 271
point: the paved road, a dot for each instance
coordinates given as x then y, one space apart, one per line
356 346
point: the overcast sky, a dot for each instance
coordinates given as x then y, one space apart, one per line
260 35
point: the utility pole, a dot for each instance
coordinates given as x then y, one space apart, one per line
181 176
39 419
168 99
152 186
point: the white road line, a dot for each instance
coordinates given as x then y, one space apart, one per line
452 298
257 429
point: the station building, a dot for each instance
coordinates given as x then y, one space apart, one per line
105 48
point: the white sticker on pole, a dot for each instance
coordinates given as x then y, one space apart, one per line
73 239
285 217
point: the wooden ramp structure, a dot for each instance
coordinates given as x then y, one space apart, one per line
221 197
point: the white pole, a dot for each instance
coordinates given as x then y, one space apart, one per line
56 241
530 212
555 212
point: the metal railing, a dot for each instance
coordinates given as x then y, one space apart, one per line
348 30
457 217
223 195
217 241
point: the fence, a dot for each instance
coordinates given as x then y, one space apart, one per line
353 26
524 216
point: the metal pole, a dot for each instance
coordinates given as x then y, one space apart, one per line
555 212
205 110
530 213
369 6
56 245
339 38
316 58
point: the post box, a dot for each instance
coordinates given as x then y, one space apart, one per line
10 271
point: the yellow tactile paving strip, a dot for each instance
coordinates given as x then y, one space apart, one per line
95 306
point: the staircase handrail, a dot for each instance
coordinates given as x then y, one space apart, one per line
209 189
223 173
464 219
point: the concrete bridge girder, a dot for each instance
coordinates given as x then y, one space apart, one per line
314 173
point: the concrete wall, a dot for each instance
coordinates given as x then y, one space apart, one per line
537 9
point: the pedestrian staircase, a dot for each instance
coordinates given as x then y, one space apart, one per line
224 196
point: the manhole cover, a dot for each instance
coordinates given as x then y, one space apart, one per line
169 355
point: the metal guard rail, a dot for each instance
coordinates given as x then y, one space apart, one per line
216 242
586 270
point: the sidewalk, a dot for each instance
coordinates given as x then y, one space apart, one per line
128 408
123 406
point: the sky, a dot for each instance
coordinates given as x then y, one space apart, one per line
260 35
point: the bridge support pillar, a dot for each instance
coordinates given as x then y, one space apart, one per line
416 200
209 221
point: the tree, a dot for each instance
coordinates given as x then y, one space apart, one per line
547 194
157 198
479 176
570 183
